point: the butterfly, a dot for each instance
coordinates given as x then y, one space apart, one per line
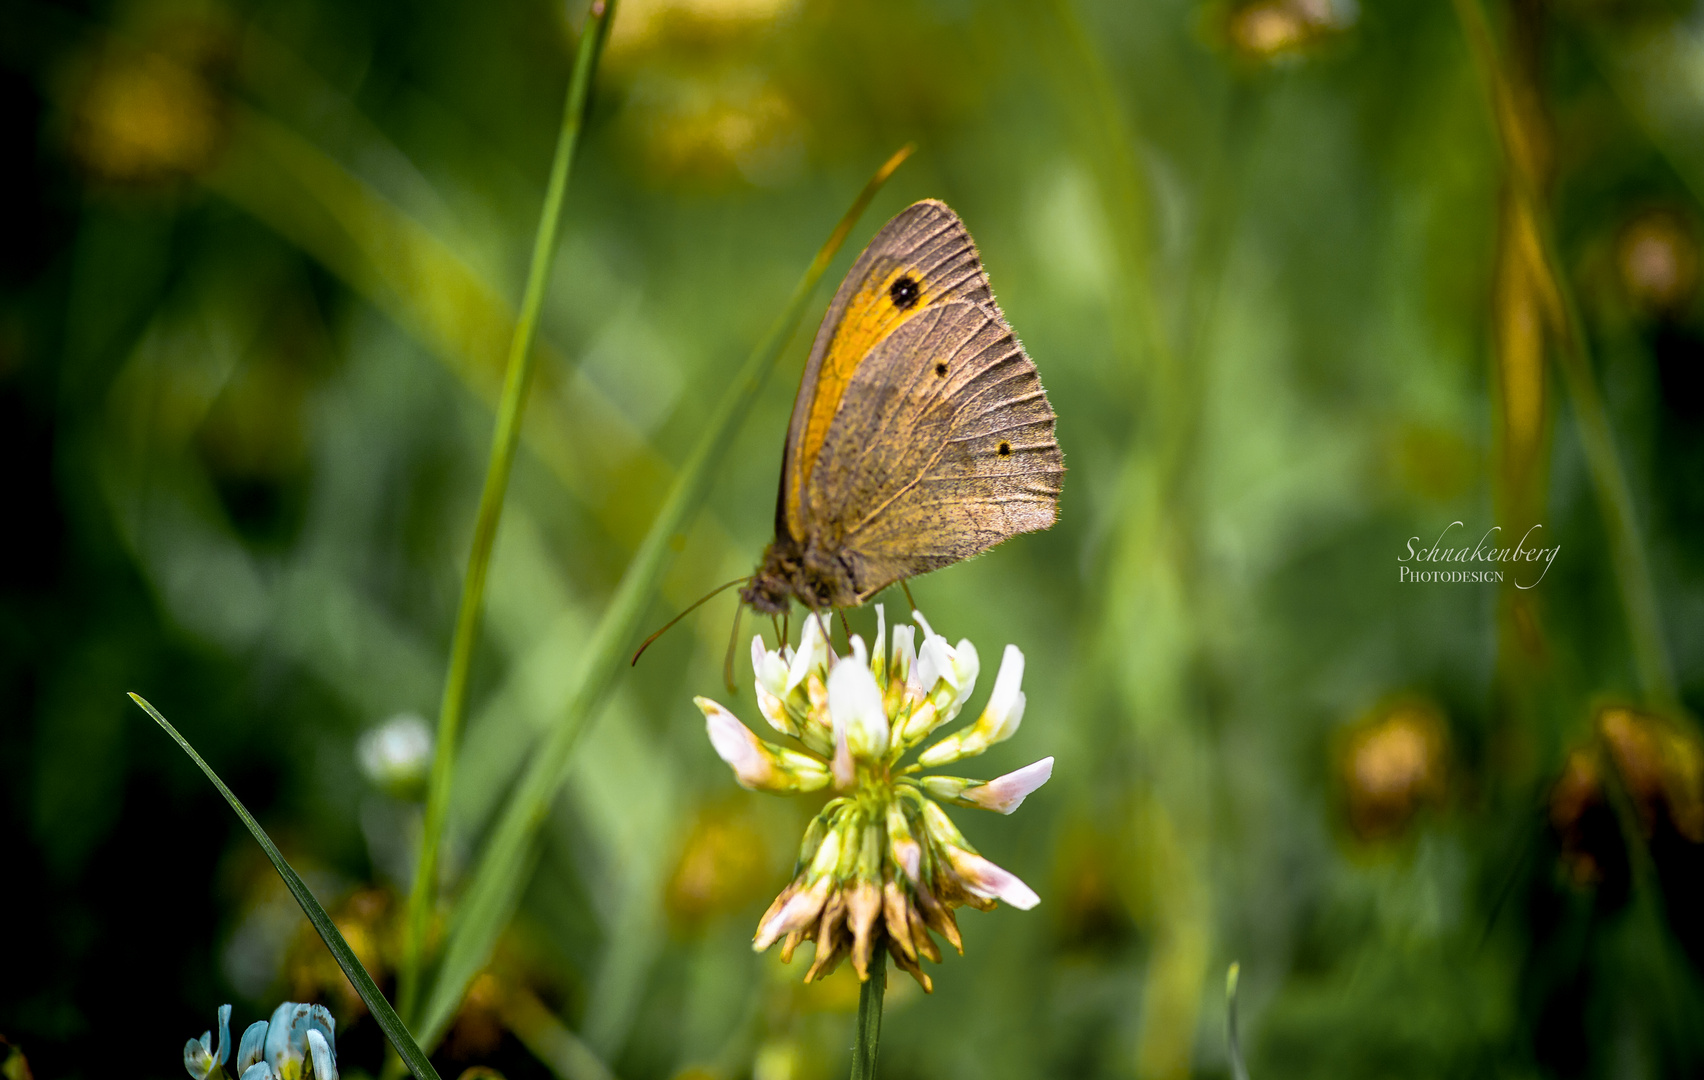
921 434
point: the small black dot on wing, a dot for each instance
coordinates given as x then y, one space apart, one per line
1005 449
904 292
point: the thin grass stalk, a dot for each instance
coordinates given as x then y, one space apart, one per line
395 1031
1597 439
1233 1040
869 1030
504 437
507 856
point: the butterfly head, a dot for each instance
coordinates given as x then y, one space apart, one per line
772 587
815 577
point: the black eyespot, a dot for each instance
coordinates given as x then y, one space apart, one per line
904 293
1005 448
941 370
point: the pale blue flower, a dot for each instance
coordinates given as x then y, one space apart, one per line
252 1050
298 1042
288 1049
199 1056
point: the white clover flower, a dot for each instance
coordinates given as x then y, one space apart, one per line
397 754
881 866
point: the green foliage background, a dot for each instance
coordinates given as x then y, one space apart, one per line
261 264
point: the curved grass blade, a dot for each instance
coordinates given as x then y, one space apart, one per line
504 439
328 932
507 856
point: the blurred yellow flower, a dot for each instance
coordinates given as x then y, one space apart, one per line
145 116
1271 29
721 866
1392 765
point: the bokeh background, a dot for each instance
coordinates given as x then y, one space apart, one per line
1274 266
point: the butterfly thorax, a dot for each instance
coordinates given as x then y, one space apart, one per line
815 578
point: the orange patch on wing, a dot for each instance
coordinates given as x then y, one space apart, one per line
871 316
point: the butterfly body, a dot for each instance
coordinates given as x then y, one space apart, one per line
921 434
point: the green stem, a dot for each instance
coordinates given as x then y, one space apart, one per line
1597 440
869 1019
506 858
504 437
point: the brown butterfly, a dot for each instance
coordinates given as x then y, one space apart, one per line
921 434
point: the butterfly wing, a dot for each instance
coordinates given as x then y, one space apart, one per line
923 257
942 446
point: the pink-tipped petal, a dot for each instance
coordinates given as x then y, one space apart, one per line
991 882
1006 793
736 745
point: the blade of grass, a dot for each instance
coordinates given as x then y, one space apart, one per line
1597 439
503 441
506 858
388 1020
1233 1043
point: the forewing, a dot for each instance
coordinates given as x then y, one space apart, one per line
942 447
926 243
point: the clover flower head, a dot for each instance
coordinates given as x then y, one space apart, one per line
397 754
882 865
298 1042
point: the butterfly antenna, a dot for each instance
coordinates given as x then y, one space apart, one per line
696 604
786 627
907 590
728 660
845 628
780 638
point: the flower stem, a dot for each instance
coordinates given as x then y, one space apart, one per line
869 1019
503 441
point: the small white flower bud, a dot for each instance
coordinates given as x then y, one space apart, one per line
878 657
998 722
855 703
769 668
813 652
920 723
904 654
